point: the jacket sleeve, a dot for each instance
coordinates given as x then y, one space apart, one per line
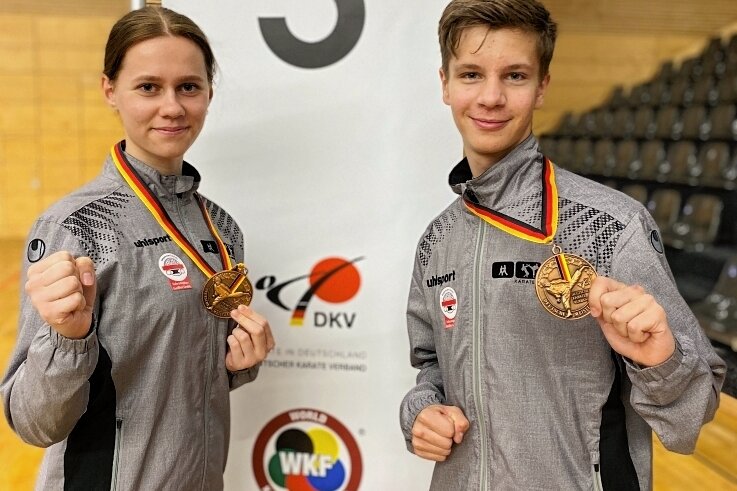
681 394
242 377
429 388
46 388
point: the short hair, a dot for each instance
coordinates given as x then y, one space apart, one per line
147 23
528 15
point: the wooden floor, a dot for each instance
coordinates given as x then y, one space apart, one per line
712 467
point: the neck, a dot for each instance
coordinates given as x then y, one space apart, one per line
173 169
165 168
481 163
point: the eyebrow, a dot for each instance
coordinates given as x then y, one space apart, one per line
518 66
508 68
155 78
467 66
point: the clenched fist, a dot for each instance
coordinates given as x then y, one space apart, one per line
632 321
435 430
62 288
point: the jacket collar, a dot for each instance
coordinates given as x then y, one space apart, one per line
516 175
184 185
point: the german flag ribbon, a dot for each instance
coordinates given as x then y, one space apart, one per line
518 228
153 204
565 273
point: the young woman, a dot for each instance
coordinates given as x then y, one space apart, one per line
129 338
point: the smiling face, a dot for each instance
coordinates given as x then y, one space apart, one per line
492 86
161 93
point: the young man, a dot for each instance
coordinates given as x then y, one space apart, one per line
518 387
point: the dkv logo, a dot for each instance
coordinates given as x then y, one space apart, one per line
333 280
306 450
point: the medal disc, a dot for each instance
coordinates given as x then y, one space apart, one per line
562 284
227 290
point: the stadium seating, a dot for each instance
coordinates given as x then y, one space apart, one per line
671 143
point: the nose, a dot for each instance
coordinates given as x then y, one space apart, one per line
491 93
171 107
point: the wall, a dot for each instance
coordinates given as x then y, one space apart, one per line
54 126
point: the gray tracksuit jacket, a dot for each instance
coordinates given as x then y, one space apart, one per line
143 401
551 406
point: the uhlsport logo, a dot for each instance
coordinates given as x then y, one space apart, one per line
306 450
333 280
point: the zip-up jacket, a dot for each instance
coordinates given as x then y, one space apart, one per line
143 401
550 404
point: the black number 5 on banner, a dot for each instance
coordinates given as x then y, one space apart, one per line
340 42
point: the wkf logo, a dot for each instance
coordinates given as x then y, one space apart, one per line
306 450
333 280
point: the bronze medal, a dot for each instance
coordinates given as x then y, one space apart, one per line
227 290
562 284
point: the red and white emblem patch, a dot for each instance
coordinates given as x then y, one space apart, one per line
449 306
175 271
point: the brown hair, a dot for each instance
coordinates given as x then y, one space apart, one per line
528 15
147 23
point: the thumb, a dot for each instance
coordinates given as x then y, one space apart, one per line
460 422
86 269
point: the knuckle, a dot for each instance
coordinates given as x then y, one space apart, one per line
67 268
78 300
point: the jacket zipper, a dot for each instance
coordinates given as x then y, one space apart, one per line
598 486
116 454
208 369
206 409
478 257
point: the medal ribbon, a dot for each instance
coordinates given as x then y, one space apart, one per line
565 273
162 217
518 228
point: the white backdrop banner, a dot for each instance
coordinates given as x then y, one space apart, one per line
328 142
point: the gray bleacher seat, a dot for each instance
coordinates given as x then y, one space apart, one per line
664 205
563 154
727 88
680 158
644 123
722 123
604 158
693 123
636 191
681 92
652 153
626 158
667 123
714 157
717 313
583 156
698 224
623 123
705 91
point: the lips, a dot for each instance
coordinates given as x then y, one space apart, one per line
171 130
490 123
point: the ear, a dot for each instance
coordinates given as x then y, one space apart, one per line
444 83
540 92
212 93
108 91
